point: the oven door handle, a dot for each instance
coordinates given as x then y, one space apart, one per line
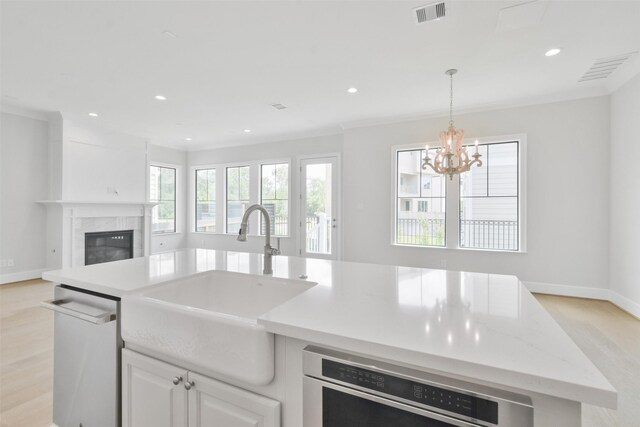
58 307
313 396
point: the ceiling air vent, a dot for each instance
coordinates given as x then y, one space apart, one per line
430 12
603 67
279 106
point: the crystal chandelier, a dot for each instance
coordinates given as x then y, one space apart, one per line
452 157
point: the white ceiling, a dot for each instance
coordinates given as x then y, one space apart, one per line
231 60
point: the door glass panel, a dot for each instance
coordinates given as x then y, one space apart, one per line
318 208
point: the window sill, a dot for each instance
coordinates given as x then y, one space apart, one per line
502 251
169 233
236 235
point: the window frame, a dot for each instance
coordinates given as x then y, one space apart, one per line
221 194
176 181
452 196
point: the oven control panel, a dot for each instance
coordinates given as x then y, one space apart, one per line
425 394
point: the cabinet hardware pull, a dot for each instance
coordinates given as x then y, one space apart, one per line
177 380
189 384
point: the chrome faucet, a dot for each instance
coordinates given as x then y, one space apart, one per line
269 251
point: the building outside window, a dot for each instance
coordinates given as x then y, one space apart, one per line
417 189
162 190
237 200
206 200
489 199
274 196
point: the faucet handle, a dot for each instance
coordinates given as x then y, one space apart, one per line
276 251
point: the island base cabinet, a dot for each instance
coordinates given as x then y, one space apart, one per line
216 404
151 398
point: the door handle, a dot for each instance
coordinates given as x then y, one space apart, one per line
189 384
58 307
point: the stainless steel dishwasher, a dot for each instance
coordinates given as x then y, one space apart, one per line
87 344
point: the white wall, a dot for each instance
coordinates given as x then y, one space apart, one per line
247 153
24 179
178 158
101 165
624 278
567 213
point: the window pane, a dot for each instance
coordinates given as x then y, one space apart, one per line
162 190
167 184
474 182
503 175
282 181
275 198
206 200
489 200
409 167
489 223
421 202
237 196
268 181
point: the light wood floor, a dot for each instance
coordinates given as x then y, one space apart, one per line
608 336
26 355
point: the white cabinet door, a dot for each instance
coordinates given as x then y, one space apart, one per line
149 396
215 404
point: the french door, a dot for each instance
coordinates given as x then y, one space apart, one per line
319 208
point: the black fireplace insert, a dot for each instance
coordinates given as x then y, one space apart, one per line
107 246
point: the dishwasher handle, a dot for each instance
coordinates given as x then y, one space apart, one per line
57 306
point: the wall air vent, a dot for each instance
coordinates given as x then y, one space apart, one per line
430 12
279 106
603 67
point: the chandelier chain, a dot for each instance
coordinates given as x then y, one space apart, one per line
451 100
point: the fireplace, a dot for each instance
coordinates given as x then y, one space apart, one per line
107 246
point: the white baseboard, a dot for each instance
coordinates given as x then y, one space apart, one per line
625 303
567 290
21 275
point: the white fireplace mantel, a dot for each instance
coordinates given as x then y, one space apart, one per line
68 220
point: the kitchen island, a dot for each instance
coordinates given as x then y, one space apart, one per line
484 329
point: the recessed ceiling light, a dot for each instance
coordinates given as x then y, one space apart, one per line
169 34
247 130
352 90
552 52
161 97
93 114
188 139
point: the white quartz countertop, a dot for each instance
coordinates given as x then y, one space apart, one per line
485 327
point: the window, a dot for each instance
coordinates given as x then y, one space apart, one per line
206 200
489 214
420 227
237 196
489 200
274 196
163 192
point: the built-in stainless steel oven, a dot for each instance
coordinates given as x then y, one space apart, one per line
342 390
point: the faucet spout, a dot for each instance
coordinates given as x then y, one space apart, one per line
269 251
